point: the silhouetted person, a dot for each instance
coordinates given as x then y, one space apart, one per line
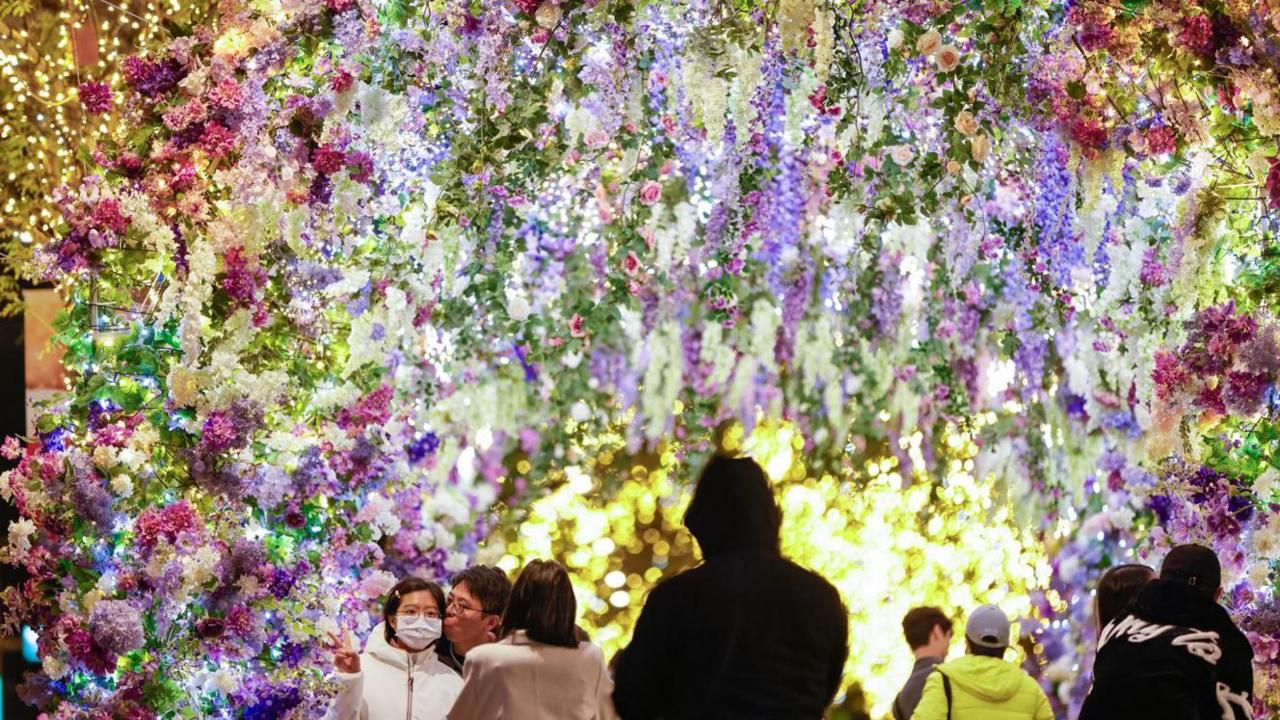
747 634
1174 654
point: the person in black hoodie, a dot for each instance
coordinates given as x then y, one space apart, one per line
1174 654
747 634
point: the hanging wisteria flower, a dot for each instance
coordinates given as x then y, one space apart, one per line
337 285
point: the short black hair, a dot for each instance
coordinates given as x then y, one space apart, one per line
919 622
1118 587
542 604
397 593
489 584
983 651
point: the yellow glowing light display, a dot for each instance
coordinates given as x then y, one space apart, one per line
46 51
886 548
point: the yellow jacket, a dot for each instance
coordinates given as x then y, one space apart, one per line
983 688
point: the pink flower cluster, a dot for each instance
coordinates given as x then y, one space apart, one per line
243 280
1226 365
95 97
373 409
155 524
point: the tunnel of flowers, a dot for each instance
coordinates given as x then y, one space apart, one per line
364 288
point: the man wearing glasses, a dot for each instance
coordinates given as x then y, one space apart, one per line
473 612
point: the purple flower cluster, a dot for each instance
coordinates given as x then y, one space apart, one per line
116 626
425 444
152 78
230 428
91 500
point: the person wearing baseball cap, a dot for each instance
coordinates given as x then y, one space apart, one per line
1174 653
982 685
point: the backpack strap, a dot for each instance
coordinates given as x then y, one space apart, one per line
946 690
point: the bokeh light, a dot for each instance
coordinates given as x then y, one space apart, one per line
950 542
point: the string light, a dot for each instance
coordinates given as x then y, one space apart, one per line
44 56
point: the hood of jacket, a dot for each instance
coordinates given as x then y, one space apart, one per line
1173 603
986 678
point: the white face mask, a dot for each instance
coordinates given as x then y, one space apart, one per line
416 633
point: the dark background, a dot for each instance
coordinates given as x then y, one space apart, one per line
12 422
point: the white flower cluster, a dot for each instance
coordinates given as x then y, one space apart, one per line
20 534
662 379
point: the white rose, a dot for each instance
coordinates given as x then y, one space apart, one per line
902 154
548 15
580 412
895 39
929 42
948 58
966 123
517 305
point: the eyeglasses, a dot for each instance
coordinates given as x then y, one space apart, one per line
430 613
454 606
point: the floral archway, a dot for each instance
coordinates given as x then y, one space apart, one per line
364 279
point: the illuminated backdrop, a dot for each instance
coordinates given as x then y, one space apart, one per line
354 285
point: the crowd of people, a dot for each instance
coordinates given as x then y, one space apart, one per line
749 634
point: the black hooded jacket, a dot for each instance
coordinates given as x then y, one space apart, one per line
1174 654
747 634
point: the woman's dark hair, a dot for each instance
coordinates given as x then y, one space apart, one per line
542 604
397 593
919 622
1117 588
733 508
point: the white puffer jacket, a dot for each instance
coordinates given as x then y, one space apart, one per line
394 684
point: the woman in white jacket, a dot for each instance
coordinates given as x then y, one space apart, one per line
399 676
539 670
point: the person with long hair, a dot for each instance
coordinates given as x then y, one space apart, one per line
400 673
1118 587
539 669
1174 653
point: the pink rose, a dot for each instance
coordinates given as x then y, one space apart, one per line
651 193
596 138
631 264
575 327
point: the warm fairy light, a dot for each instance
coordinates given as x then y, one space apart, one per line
42 124
886 549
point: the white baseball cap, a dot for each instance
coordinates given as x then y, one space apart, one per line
988 627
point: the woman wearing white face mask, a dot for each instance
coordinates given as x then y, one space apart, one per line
399 676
